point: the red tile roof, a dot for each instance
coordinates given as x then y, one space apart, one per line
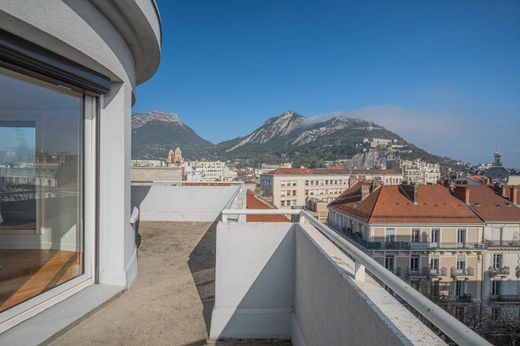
253 202
389 204
490 206
316 171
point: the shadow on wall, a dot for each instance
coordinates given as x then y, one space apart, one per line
202 267
263 293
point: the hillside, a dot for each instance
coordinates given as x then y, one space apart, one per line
293 137
155 133
288 137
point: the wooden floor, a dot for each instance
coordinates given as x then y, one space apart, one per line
27 273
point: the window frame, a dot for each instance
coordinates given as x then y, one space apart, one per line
25 58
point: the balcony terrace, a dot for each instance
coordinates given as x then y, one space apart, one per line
405 245
216 278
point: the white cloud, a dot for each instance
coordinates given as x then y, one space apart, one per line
460 136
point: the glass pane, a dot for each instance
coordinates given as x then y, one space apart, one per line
40 187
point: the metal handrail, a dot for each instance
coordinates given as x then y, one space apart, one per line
448 324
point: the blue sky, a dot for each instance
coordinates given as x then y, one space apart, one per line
443 74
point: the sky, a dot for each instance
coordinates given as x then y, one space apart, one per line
444 75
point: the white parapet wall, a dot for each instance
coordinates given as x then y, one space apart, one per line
254 281
171 202
287 281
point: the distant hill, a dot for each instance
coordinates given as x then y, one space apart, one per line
290 136
307 141
155 133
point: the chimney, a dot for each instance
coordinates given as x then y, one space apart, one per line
352 181
513 195
503 190
410 191
365 191
463 193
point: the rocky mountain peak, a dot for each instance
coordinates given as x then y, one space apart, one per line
141 119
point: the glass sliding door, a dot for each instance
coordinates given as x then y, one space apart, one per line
41 187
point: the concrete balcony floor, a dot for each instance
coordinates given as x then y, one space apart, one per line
170 302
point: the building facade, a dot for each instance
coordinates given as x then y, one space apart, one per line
291 187
68 77
422 233
420 172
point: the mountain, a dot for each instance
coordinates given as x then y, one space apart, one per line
309 141
155 133
287 137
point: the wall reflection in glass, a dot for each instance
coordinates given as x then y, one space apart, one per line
41 149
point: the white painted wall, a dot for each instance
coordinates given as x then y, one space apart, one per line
122 41
254 285
163 202
287 281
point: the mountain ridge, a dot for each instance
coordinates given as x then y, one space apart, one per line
289 136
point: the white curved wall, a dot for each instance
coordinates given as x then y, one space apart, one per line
96 37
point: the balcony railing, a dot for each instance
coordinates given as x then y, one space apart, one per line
464 298
418 272
503 242
499 271
505 298
439 272
405 245
441 319
469 271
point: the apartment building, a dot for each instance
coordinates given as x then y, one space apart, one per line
291 187
418 171
422 233
386 176
209 171
501 260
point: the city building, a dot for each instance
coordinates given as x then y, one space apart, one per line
68 77
175 157
386 176
377 142
496 172
317 208
422 233
209 171
291 187
501 261
265 168
418 171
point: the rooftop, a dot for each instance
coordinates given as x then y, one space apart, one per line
490 206
390 204
329 171
253 202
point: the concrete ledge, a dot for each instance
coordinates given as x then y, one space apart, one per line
251 324
54 320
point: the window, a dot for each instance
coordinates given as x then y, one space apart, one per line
390 235
435 291
496 286
459 313
495 313
42 140
460 288
497 261
436 232
414 263
461 262
389 263
434 263
461 235
416 235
